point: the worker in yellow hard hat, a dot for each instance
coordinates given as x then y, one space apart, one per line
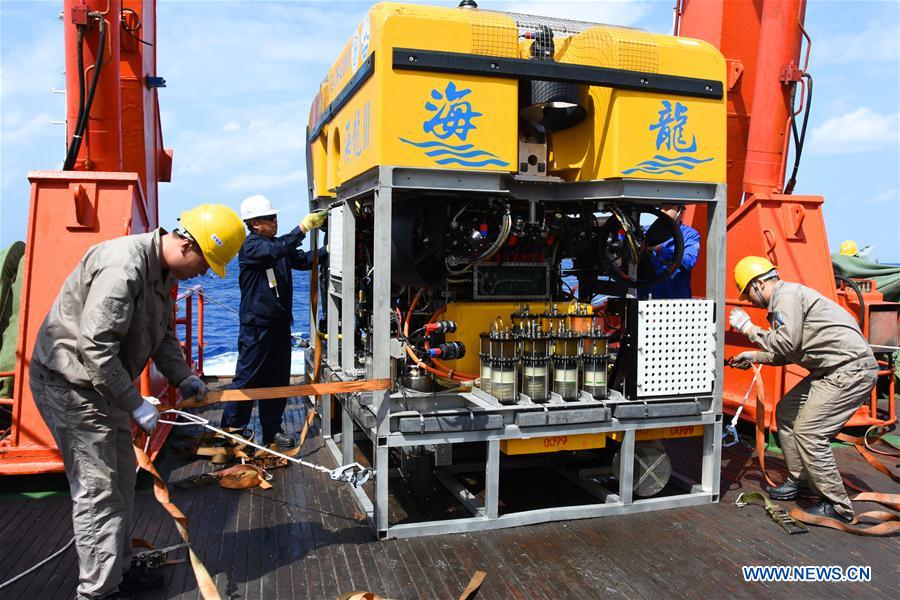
113 314
849 248
807 329
267 262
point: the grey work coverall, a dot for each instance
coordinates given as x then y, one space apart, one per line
114 313
810 330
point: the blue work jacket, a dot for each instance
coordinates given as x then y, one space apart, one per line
260 304
679 284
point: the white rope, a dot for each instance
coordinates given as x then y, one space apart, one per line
197 420
732 428
353 473
37 566
206 295
9 582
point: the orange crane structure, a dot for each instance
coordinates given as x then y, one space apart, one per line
116 158
107 188
769 92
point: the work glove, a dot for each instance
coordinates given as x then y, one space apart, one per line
146 415
191 387
740 320
314 220
744 360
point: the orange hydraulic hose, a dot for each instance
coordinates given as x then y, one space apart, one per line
440 373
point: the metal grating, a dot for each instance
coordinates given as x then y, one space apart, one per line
676 347
512 35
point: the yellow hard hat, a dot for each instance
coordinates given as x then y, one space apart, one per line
849 248
218 231
748 269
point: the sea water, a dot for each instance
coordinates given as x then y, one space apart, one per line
221 326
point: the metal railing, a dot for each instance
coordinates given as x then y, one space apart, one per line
187 296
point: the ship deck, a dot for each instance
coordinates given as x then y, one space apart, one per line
305 538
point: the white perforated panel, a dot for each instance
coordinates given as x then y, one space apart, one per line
336 241
676 347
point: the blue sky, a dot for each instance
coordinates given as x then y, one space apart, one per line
241 76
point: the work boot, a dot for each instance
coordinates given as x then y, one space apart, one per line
139 579
826 509
791 489
284 441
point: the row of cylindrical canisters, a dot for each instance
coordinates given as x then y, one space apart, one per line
577 317
535 364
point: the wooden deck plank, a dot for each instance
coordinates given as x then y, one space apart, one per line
596 542
304 539
41 587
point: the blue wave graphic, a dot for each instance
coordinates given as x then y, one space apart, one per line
654 171
468 163
471 154
689 159
433 144
458 153
664 164
653 163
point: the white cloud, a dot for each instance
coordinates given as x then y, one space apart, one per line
886 196
231 126
35 68
861 130
878 42
17 128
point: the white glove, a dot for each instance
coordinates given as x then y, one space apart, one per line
146 415
744 360
740 320
192 386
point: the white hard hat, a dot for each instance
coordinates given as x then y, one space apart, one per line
256 206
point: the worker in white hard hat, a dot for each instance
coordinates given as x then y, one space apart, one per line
113 314
809 330
264 343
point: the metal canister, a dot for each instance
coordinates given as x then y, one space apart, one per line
503 357
565 363
595 363
485 355
536 351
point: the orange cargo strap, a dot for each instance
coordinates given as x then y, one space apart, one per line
889 522
242 477
761 430
204 582
317 353
474 585
285 391
865 450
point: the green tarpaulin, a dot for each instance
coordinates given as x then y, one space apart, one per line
10 290
887 277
